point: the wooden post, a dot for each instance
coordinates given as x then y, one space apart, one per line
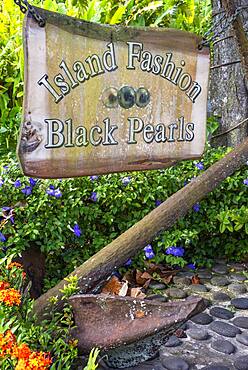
115 254
240 34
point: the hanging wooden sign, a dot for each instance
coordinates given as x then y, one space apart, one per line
102 99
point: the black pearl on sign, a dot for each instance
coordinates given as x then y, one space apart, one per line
142 97
126 97
109 97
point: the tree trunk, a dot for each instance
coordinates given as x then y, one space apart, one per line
115 254
228 85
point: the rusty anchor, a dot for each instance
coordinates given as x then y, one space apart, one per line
128 330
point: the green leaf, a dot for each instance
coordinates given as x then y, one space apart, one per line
117 17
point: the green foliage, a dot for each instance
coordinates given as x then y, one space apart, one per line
219 227
92 362
51 335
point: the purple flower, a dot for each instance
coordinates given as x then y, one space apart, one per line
158 202
191 266
126 180
54 192
32 181
200 166
27 190
93 196
128 263
245 182
2 238
6 209
196 207
77 231
1 182
57 193
17 184
175 251
94 177
149 253
50 192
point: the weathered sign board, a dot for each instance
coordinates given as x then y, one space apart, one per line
102 99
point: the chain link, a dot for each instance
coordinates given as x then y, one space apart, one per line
228 22
26 7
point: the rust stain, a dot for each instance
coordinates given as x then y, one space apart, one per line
105 321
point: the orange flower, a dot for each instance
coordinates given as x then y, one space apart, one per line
27 359
7 341
36 361
21 352
11 297
15 264
3 285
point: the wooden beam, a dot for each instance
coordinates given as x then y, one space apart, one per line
115 254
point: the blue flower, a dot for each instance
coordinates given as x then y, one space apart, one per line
128 263
17 184
54 192
6 209
126 180
175 251
27 190
77 231
149 253
94 177
1 182
32 181
158 202
245 182
93 196
2 238
57 193
50 192
200 166
196 207
191 266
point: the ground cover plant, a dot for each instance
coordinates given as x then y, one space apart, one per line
71 219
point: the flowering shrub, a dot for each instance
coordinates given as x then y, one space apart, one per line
26 344
92 211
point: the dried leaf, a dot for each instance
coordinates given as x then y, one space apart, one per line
139 314
124 289
147 283
129 276
113 286
167 279
139 279
195 279
137 293
146 276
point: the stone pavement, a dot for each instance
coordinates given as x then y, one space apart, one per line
216 339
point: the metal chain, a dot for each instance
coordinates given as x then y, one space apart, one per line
228 22
26 7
